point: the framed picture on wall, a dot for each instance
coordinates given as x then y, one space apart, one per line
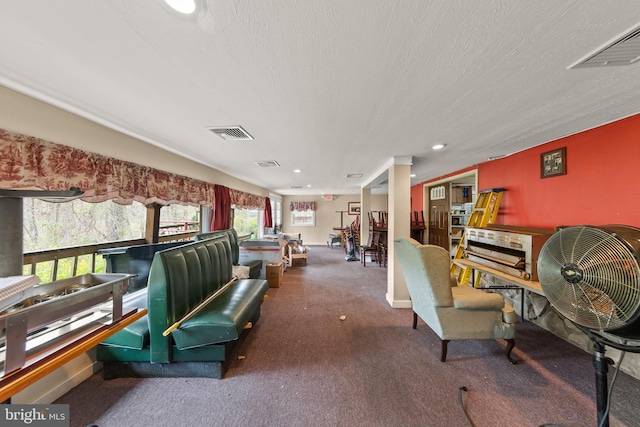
354 208
553 163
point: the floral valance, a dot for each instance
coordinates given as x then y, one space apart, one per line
243 200
30 163
302 206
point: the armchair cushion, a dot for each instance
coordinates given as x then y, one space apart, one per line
509 314
474 299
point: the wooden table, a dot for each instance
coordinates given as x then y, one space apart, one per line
524 285
43 363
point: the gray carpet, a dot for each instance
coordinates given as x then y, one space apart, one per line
304 366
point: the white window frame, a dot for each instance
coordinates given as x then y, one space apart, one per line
303 218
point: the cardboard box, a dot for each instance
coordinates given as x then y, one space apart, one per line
274 274
298 260
297 255
461 195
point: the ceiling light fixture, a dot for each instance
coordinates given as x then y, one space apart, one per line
354 175
183 6
439 146
297 171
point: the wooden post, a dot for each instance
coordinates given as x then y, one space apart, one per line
11 212
152 227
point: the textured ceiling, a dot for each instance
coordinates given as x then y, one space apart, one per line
330 87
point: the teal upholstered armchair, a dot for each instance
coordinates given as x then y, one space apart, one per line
453 312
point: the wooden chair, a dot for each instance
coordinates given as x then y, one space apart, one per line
417 226
371 248
382 248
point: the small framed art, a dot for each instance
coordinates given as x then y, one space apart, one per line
354 208
553 163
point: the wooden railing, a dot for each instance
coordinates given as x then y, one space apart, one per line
73 255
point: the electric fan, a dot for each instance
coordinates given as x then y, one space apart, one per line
591 275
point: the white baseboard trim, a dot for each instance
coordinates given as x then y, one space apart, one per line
398 303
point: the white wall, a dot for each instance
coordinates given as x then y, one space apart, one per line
22 114
327 215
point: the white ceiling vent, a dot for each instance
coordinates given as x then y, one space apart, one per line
623 50
267 164
231 133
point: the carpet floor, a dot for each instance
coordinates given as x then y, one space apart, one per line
304 366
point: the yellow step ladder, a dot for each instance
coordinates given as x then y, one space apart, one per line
485 211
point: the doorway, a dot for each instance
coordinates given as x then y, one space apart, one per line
446 216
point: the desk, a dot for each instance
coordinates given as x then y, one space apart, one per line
524 285
42 364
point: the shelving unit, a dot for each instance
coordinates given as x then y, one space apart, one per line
458 218
461 205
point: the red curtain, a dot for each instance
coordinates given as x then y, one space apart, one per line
221 208
268 218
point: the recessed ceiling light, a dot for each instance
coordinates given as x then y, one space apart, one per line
182 6
297 170
308 185
354 175
413 175
439 146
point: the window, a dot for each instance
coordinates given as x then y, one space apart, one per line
276 213
303 218
179 219
49 225
245 222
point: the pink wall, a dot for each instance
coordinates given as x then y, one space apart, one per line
601 185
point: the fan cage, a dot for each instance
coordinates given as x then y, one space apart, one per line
591 275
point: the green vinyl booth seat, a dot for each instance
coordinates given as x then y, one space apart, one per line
180 279
255 266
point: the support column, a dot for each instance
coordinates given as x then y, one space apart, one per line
152 226
399 207
11 234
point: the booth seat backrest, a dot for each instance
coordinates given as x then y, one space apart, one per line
428 287
232 234
180 279
220 251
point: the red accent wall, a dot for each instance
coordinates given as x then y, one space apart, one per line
417 198
601 185
417 192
